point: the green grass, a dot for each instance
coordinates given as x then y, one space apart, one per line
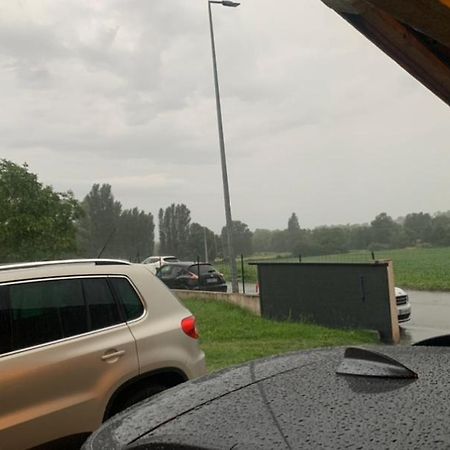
414 268
421 268
230 335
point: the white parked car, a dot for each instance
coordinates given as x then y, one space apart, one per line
403 305
155 262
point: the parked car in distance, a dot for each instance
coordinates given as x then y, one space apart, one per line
403 305
156 262
316 399
81 340
192 275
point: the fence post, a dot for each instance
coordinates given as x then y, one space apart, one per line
242 273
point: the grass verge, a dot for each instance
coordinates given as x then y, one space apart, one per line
230 335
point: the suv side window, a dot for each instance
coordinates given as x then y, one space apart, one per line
34 313
45 311
103 310
5 322
128 297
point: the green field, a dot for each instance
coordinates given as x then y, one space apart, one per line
230 335
414 268
421 268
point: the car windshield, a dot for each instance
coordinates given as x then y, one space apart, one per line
171 259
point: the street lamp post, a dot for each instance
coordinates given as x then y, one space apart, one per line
226 192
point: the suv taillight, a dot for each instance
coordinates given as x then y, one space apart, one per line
189 326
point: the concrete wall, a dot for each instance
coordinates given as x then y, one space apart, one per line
248 302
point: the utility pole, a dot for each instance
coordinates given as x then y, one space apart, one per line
226 192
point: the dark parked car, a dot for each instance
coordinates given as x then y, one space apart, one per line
328 398
191 275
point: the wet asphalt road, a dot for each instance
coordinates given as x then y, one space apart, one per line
430 316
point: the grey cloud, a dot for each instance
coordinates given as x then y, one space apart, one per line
313 114
34 77
29 41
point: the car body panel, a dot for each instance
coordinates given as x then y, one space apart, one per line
63 386
296 401
403 305
158 334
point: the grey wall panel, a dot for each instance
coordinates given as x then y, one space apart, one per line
334 295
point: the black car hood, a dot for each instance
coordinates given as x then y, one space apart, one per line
294 401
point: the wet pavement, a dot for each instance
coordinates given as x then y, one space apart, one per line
430 316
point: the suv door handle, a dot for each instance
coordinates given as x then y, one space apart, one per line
113 355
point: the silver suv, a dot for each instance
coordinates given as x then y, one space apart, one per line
81 340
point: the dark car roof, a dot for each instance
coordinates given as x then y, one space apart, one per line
296 401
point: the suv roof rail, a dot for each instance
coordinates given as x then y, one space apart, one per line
95 261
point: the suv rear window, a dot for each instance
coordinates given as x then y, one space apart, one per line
103 311
34 313
130 300
204 269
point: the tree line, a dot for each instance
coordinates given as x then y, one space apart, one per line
382 233
37 223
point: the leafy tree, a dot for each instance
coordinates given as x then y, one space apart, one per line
330 239
418 227
198 235
293 225
262 240
162 232
135 237
98 226
440 232
108 231
242 238
174 225
360 236
35 222
306 244
384 230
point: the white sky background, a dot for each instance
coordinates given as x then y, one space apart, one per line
317 120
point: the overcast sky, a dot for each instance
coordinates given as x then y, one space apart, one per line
317 120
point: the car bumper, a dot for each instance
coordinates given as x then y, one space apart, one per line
404 312
214 288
